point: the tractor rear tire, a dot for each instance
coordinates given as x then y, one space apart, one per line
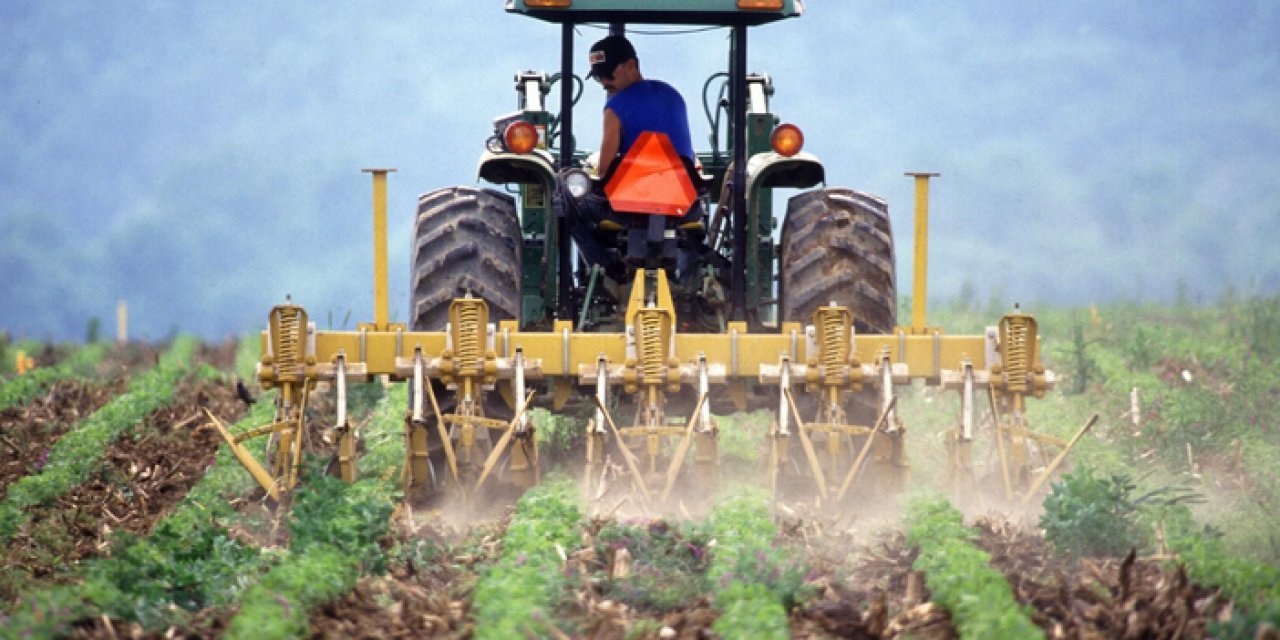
837 246
466 240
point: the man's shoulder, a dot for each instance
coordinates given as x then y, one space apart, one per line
658 86
662 92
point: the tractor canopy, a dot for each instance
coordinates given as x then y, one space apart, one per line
721 12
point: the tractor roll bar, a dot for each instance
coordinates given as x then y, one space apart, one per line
738 131
564 281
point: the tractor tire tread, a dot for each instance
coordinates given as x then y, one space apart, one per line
837 246
466 239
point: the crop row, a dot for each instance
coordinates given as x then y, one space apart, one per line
335 534
77 454
23 388
754 583
187 563
516 596
1253 586
960 575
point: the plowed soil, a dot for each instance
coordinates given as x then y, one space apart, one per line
27 431
864 587
146 473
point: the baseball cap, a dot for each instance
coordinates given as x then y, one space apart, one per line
607 54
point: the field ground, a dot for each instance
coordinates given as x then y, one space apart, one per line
125 516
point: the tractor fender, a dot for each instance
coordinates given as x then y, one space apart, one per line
771 169
536 167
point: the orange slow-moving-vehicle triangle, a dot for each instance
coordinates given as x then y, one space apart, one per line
651 179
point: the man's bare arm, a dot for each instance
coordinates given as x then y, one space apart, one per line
609 142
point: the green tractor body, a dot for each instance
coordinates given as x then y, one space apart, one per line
532 275
704 306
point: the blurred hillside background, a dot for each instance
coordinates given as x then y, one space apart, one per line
200 160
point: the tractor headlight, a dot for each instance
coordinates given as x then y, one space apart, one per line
577 182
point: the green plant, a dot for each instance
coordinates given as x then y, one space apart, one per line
335 533
1246 625
960 576
515 597
557 434
1087 515
668 564
277 606
350 518
1262 326
755 582
1200 549
383 436
741 435
1083 368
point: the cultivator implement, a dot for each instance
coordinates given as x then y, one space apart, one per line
655 372
651 365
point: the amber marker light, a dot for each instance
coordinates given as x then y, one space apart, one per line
760 4
520 137
553 4
787 140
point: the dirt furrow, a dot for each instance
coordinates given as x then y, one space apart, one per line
1098 597
27 431
143 476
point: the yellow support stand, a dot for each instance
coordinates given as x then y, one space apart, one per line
919 290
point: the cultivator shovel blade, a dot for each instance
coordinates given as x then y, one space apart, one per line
265 479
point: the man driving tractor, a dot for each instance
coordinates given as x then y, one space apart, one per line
635 106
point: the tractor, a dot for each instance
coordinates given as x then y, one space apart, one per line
658 317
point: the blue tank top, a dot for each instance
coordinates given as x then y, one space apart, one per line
652 105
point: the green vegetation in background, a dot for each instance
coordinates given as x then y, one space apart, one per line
1208 387
755 582
743 438
1088 515
79 452
516 596
383 436
1226 402
9 351
959 574
22 389
557 434
248 354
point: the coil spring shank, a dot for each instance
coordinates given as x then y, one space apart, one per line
833 358
288 328
651 345
1017 341
467 347
835 342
